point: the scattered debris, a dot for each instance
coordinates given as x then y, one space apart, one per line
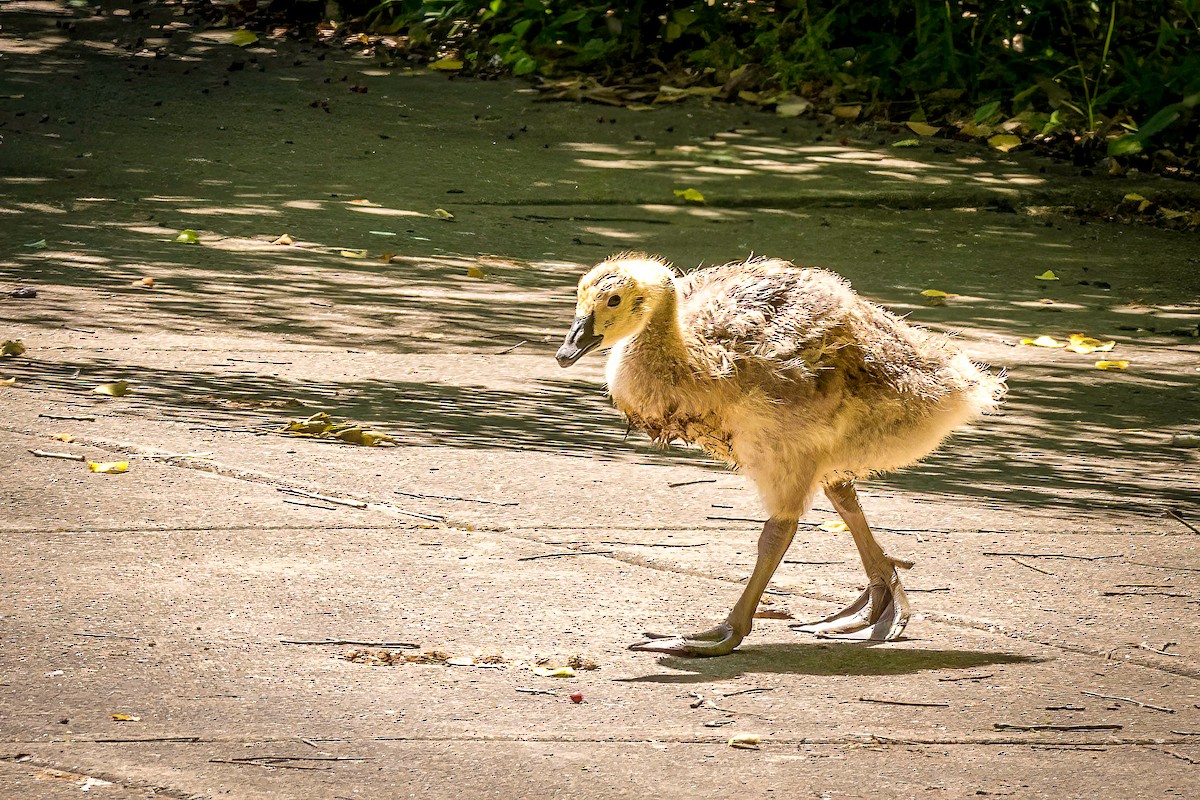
108 467
553 672
690 483
1004 726
572 553
326 498
1175 515
1032 567
67 416
1050 555
745 741
576 697
124 718
11 348
1138 703
951 678
460 499
387 658
321 426
114 389
550 692
510 349
49 454
396 645
914 703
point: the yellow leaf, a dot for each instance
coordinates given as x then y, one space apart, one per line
187 236
243 38
1044 341
11 348
922 128
125 718
1086 344
144 283
847 112
793 106
979 131
114 389
108 467
284 239
475 272
1134 197
1004 142
907 143
689 196
1118 364
1048 275
553 672
832 526
745 741
354 253
448 64
442 213
934 293
63 437
7 381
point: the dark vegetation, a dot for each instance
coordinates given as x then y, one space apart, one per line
1083 79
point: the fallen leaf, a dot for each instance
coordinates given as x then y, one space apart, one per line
243 38
144 283
934 293
907 143
11 348
447 64
7 381
922 128
553 672
1142 202
460 661
475 272
125 718
442 213
114 389
847 112
353 253
63 437
1048 275
108 467
40 244
793 107
1086 344
187 236
745 741
364 202
284 239
1118 364
690 196
1044 341
1004 142
833 526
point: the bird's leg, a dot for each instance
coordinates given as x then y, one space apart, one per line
881 611
772 544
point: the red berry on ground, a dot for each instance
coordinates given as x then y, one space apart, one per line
576 697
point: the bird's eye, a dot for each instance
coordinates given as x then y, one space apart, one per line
614 301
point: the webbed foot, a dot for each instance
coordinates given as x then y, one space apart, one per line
718 641
878 615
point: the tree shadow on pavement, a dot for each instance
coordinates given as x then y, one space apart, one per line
825 658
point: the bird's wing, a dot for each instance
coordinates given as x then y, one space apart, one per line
764 312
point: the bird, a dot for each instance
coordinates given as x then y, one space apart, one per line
786 374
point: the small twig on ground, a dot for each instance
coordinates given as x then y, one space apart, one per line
108 636
78 330
251 759
656 544
339 500
310 743
260 764
147 739
390 645
812 563
1175 515
1139 703
967 677
736 519
310 505
1180 756
689 483
1050 555
935 589
1004 726
717 723
1186 733
68 416
747 691
254 361
1164 566
510 349
572 553
419 515
463 499
550 692
67 456
1163 652
1143 594
916 703
1066 708
1032 567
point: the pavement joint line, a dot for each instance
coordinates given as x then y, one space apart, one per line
262 478
852 740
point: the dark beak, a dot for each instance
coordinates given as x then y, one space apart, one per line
580 339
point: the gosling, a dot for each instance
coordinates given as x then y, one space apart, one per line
788 375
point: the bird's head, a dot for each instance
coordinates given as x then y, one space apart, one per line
614 301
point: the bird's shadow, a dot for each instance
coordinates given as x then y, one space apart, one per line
824 658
